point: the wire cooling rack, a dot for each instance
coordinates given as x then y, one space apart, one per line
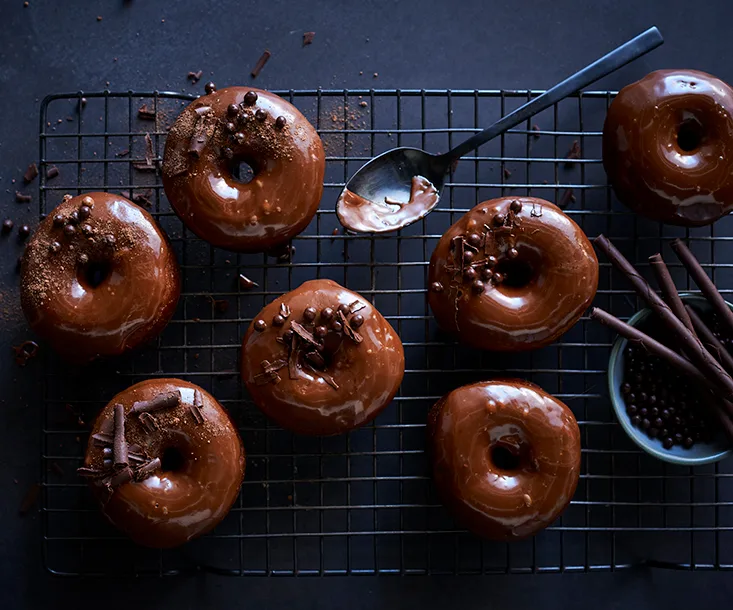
363 503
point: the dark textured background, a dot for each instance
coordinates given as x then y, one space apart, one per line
53 46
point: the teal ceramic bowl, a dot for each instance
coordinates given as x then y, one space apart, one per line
700 453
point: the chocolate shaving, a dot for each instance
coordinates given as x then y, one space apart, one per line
146 469
119 445
102 439
327 378
143 199
145 113
195 77
245 283
52 172
24 352
31 173
285 310
30 499
348 331
21 198
166 400
197 408
507 173
356 306
119 478
91 473
293 358
149 152
315 359
202 131
573 153
567 198
533 211
305 334
142 166
270 371
308 38
149 422
123 153
261 63
458 245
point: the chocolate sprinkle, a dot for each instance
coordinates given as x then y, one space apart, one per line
52 172
166 400
21 198
264 58
245 283
31 173
119 444
145 114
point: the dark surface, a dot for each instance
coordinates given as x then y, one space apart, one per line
50 47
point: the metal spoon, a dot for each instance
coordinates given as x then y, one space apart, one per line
402 185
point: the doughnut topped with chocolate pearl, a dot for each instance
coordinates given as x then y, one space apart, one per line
205 148
321 360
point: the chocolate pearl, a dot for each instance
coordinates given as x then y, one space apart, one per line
239 137
8 225
320 332
498 220
652 399
337 326
664 432
260 115
474 239
643 411
636 420
83 259
231 127
688 443
209 87
232 110
672 410
631 409
668 443
310 314
24 231
632 397
469 274
626 388
55 247
84 212
486 274
74 217
344 309
260 325
477 286
58 220
228 153
110 240
468 256
436 287
107 451
280 122
288 335
356 320
678 439
278 320
654 411
327 313
658 422
645 423
665 414
87 201
491 261
515 206
512 253
498 278
250 98
86 229
652 432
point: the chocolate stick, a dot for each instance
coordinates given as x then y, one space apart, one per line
656 348
119 444
669 290
704 283
706 335
690 344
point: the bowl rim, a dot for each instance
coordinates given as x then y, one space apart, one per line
617 350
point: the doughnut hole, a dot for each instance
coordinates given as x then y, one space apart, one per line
243 170
172 460
504 457
519 272
94 273
690 134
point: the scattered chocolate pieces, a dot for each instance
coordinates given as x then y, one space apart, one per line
305 334
149 422
348 331
270 371
264 58
146 114
195 77
30 499
507 173
143 199
245 283
52 172
123 153
25 352
31 173
285 310
22 198
573 153
161 401
308 38
147 469
567 198
536 128
202 131
197 408
149 152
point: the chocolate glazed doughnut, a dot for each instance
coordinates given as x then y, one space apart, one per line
165 462
505 457
512 274
99 277
216 133
668 147
321 360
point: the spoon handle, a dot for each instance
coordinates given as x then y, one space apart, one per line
634 48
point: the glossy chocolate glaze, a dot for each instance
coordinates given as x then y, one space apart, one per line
545 288
133 302
668 147
359 214
288 161
465 428
170 507
367 374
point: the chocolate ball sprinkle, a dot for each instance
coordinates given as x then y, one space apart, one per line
231 127
486 274
280 122
69 230
356 320
436 287
278 320
498 278
477 286
288 335
58 220
250 98
260 115
232 110
344 309
327 313
499 219
320 332
491 261
310 314
84 212
512 253
55 247
337 326
74 217
239 137
83 259
8 225
110 240
209 87
260 325
474 239
469 274
87 201
515 206
468 256
228 153
86 230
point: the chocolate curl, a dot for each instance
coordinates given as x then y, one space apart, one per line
147 469
197 408
706 335
202 131
669 290
672 358
704 283
689 343
119 445
161 401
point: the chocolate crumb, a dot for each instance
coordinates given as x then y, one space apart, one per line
146 114
195 77
21 198
245 283
31 173
149 152
82 103
308 38
565 200
507 173
30 499
264 58
335 232
52 172
123 153
25 352
535 127
573 153
143 199
209 88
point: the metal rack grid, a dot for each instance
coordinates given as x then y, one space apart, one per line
363 503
